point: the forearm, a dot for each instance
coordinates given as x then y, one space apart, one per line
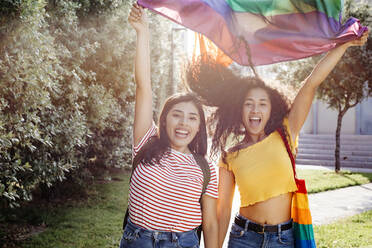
142 60
210 232
223 218
226 188
325 66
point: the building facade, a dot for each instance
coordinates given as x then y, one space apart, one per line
322 120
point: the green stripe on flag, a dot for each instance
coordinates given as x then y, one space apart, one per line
303 232
332 8
281 7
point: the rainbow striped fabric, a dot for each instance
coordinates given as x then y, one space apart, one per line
300 213
267 31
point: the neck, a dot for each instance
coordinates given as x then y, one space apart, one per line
185 150
257 137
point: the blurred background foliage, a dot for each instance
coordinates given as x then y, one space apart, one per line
67 91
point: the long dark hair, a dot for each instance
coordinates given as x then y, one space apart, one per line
159 145
219 87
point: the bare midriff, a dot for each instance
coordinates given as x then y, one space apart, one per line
273 211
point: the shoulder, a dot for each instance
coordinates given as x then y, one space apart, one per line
212 167
203 162
224 160
212 186
151 132
293 141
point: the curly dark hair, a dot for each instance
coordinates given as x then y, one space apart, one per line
219 87
159 145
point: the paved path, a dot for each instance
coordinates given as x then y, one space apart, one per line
329 206
332 168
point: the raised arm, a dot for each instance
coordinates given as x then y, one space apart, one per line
226 188
302 103
143 105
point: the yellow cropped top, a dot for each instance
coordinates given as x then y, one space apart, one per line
262 170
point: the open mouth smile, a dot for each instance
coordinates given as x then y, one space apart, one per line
181 133
255 120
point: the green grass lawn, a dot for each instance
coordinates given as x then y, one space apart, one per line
355 231
320 180
97 221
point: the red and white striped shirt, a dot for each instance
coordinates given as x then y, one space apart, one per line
165 196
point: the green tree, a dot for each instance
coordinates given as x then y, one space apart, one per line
350 81
67 90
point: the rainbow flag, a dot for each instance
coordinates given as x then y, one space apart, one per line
265 31
300 213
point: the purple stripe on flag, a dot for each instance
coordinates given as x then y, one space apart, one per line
271 44
221 7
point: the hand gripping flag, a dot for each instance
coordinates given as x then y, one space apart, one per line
265 31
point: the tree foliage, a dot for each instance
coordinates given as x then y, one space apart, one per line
66 90
350 81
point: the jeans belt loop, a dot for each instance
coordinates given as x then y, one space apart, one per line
262 230
136 232
246 225
174 237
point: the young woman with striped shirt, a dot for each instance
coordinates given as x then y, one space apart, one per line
165 202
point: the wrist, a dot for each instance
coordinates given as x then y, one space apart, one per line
341 48
346 45
143 31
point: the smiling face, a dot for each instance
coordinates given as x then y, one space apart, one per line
256 112
182 124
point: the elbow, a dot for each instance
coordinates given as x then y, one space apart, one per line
311 84
210 224
211 228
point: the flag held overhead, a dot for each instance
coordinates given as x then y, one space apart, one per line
267 31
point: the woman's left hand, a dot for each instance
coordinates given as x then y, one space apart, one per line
360 41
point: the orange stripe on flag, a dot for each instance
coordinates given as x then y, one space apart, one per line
208 49
301 216
300 201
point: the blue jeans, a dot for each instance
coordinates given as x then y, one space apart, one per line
241 237
137 237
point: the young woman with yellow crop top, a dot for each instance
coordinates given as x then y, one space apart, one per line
259 163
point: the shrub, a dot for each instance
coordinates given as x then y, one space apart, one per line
67 91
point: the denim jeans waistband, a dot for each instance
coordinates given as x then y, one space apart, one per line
247 224
158 235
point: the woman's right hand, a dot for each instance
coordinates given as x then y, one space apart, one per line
137 18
